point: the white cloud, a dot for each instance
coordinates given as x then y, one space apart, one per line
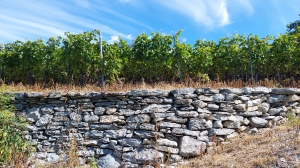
246 5
113 39
207 12
183 39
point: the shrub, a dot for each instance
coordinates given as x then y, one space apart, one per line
14 148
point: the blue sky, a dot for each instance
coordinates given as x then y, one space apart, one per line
206 19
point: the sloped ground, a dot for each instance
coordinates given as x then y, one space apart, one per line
277 147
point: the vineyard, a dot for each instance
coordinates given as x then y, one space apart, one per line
75 59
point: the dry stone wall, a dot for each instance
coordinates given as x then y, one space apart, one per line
143 127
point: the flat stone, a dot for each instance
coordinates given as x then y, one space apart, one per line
260 90
144 156
147 126
167 149
217 98
274 111
44 120
222 131
277 98
108 119
251 113
147 134
184 91
109 161
115 134
33 114
212 107
191 147
264 107
181 131
187 114
141 118
154 108
232 124
231 91
199 124
35 94
166 142
185 102
91 118
205 98
169 125
292 98
131 142
199 104
99 110
282 91
258 122
177 119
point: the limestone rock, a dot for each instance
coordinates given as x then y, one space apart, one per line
258 122
189 146
109 161
217 98
199 124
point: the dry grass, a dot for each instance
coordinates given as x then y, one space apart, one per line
274 147
116 87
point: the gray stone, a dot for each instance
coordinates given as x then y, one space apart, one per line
52 157
231 91
232 124
154 108
230 97
147 126
187 114
253 108
217 98
183 91
75 117
35 94
264 107
44 120
101 152
184 102
147 134
142 93
95 134
108 119
199 124
162 115
54 95
167 149
141 118
131 142
283 91
177 119
212 107
292 98
144 156
33 114
166 142
258 122
259 90
205 98
222 131
109 161
47 110
115 134
274 111
181 131
218 124
110 111
128 112
251 113
99 110
246 90
191 147
91 118
240 107
276 98
199 104
169 125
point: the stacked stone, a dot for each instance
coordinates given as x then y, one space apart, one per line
146 127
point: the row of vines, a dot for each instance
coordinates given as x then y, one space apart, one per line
75 58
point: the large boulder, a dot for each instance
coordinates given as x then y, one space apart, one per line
189 146
109 161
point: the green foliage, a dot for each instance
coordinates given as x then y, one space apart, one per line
75 58
12 142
